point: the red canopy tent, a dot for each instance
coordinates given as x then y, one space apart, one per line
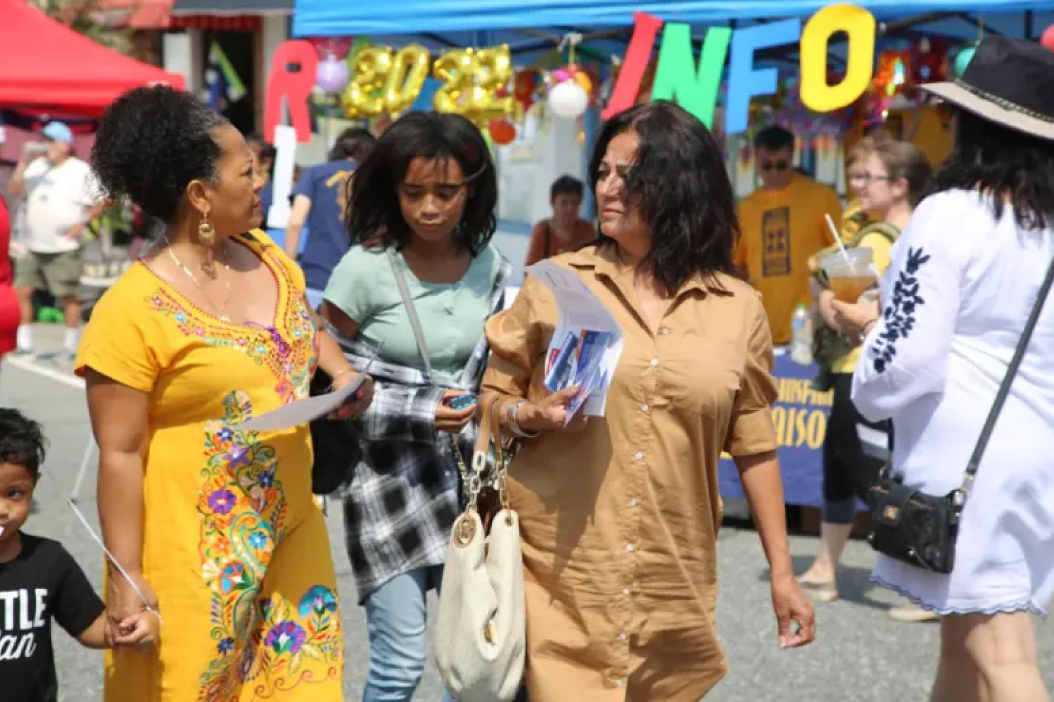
47 66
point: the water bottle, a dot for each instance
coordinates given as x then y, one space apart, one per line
801 336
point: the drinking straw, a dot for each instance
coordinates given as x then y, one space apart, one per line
837 239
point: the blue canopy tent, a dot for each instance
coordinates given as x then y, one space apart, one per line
524 23
535 27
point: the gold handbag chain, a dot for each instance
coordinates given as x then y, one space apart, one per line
465 528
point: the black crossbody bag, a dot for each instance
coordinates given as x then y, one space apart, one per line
920 529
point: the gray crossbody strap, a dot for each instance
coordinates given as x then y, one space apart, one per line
411 312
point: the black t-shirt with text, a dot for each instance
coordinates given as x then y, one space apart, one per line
42 583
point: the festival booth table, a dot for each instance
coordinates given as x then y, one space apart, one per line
800 416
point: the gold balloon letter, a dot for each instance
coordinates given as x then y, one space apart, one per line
406 78
456 69
363 95
495 71
859 24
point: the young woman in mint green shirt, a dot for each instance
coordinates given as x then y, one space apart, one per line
422 209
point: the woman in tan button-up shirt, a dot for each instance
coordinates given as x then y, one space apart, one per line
619 515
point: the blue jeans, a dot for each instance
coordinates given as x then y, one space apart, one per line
396 622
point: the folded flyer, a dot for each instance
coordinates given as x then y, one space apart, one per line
586 343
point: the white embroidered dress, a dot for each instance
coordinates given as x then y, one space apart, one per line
956 298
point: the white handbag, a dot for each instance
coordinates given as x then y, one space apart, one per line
481 629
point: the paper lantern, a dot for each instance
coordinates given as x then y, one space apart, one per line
332 74
568 100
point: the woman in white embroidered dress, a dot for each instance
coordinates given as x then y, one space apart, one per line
964 278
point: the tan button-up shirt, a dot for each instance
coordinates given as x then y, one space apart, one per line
619 523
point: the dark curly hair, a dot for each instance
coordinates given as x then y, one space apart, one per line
353 144
21 441
1018 169
375 216
683 188
151 143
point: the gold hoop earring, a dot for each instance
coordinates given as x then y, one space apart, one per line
206 232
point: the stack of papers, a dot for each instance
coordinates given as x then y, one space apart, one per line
311 408
586 343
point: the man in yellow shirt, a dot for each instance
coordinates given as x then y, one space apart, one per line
783 225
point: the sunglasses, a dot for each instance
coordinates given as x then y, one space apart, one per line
778 166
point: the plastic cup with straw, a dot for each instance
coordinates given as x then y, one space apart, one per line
850 271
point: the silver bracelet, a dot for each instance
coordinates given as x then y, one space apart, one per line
514 425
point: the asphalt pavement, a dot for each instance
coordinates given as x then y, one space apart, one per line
860 654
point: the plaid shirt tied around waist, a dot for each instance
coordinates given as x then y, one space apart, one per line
403 497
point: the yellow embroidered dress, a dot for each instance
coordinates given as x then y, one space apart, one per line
233 543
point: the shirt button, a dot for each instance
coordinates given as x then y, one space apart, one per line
654 362
665 331
620 683
625 591
622 636
630 547
644 407
633 502
638 456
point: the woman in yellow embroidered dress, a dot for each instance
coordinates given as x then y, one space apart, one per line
216 524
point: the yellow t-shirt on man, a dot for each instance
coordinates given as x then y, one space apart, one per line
781 230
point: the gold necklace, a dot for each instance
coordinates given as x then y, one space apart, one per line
220 309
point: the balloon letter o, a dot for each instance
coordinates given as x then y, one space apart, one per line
859 24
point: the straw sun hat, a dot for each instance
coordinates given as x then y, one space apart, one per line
1009 82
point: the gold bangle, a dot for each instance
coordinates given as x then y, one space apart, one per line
333 379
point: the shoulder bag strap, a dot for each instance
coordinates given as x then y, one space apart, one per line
1004 387
548 240
411 312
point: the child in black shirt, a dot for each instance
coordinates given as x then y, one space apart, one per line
39 581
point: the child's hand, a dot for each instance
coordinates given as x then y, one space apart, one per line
141 630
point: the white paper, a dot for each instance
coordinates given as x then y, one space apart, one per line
303 411
580 312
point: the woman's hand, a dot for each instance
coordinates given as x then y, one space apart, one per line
824 302
790 605
855 319
551 413
125 608
451 420
360 399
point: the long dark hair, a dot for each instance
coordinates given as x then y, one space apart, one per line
1012 166
683 188
375 215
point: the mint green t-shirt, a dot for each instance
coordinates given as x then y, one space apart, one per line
452 314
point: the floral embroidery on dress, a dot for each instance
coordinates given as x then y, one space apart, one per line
243 514
899 315
292 635
291 360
